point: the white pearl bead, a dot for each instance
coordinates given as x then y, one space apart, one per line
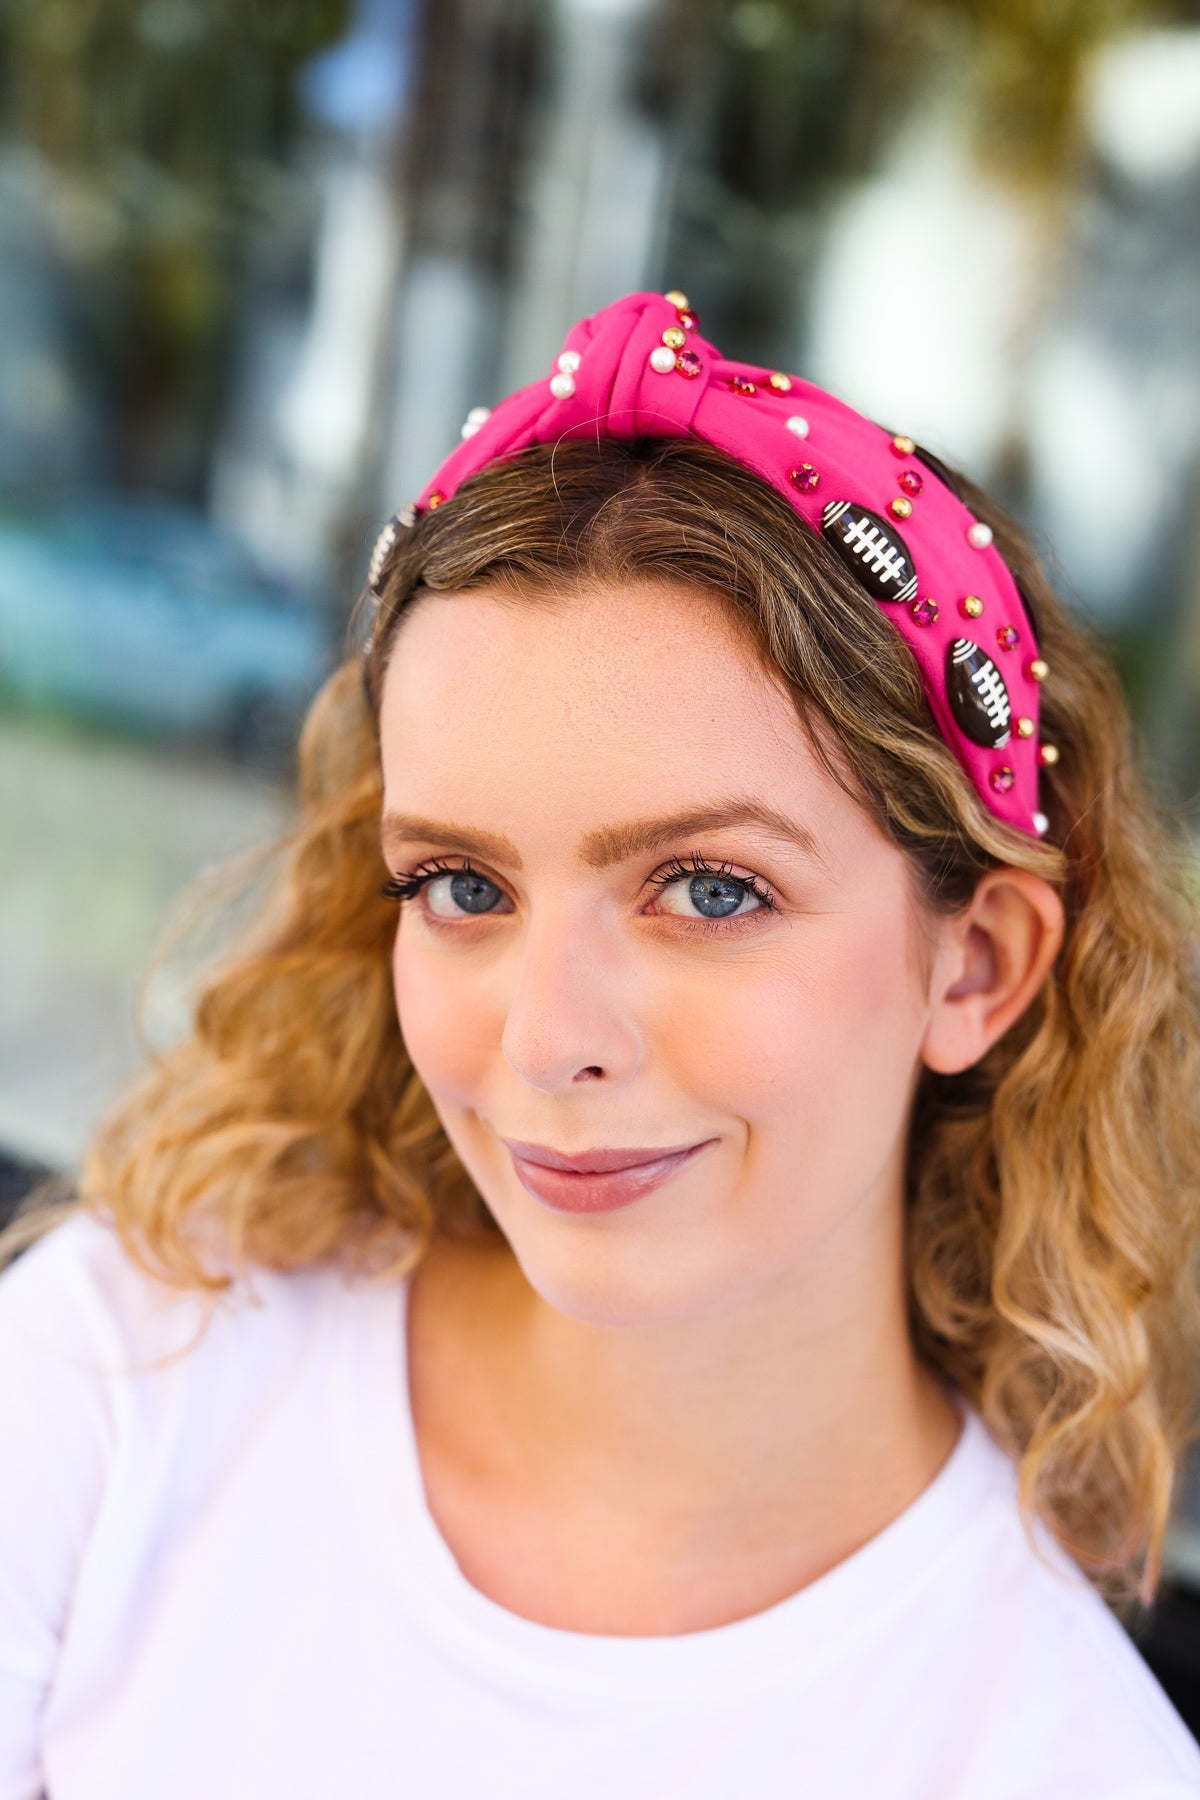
562 386
662 359
478 415
408 513
569 361
1041 823
379 555
798 424
469 430
979 535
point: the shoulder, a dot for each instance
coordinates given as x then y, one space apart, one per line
127 1406
75 1299
129 1382
1133 1734
1071 1704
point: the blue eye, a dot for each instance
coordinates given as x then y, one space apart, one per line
468 891
716 887
708 886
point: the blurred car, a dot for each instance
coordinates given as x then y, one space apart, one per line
137 610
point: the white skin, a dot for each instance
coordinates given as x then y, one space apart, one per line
666 1417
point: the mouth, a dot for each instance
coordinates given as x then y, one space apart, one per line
597 1162
576 1191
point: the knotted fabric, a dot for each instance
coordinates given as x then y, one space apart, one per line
640 368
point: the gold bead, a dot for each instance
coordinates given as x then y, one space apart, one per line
970 606
435 499
674 337
1038 670
1049 753
903 446
1024 727
676 298
781 383
901 507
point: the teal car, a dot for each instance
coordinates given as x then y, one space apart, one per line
138 611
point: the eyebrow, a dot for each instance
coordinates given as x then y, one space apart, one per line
610 845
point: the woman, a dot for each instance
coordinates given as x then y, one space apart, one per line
373 1431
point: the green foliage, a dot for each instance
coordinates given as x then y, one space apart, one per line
157 127
190 85
834 74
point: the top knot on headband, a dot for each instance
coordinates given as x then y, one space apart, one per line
640 368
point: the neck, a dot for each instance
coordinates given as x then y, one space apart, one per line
777 1424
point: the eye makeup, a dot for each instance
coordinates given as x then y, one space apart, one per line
407 887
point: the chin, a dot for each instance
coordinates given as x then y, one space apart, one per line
638 1281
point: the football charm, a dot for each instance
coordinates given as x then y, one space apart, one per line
873 550
977 694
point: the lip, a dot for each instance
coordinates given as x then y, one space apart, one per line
595 1162
572 1191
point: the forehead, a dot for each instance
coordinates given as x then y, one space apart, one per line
622 656
594 707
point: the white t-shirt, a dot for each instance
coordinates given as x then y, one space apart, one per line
220 1578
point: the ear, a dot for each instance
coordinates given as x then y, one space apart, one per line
992 960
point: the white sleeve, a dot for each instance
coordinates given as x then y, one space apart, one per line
56 1435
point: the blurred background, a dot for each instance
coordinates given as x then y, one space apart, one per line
258 261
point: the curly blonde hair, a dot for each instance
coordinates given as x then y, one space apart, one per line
1051 1189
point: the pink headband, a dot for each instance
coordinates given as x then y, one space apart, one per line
639 368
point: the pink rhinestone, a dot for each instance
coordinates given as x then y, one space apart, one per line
1002 778
911 482
805 478
1007 637
924 611
689 364
688 319
740 385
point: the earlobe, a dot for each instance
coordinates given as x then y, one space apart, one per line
991 964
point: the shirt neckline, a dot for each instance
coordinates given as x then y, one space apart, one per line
789 1638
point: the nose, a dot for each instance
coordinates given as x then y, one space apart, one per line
570 1010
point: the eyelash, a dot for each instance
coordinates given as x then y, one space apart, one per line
407 887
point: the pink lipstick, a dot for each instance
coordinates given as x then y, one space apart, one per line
595 1189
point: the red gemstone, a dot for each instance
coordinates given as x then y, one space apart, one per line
911 482
805 478
1002 778
689 364
924 611
740 385
688 319
1007 637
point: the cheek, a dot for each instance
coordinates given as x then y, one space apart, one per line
831 1014
817 1056
441 1009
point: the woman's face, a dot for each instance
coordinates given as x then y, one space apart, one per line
591 1008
